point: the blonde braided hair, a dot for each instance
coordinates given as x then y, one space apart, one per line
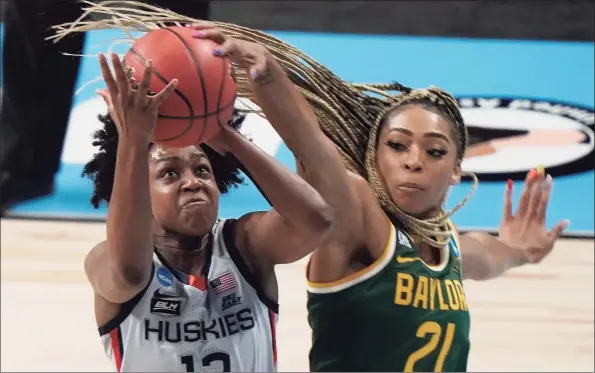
349 114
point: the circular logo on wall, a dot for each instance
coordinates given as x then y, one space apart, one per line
509 136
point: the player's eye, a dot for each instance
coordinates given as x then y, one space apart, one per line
168 174
437 153
202 169
395 145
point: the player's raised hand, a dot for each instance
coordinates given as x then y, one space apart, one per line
132 107
251 56
526 229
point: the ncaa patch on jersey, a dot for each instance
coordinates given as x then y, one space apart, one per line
165 277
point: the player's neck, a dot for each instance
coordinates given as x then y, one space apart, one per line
187 254
431 213
172 241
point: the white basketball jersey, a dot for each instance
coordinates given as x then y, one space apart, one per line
182 323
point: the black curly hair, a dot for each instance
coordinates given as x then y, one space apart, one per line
100 169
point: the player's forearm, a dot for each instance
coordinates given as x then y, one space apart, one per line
486 257
296 123
294 199
129 218
288 111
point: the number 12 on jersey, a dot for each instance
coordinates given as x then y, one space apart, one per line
435 331
207 361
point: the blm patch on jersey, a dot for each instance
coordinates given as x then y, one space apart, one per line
166 305
229 301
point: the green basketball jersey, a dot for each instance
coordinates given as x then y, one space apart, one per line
397 315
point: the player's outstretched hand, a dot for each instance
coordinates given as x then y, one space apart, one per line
526 229
131 106
252 57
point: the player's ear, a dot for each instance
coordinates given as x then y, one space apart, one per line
456 174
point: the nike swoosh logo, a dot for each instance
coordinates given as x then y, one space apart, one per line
164 296
403 260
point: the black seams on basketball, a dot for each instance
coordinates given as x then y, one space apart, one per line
205 95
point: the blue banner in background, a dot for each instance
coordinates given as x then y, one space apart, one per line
525 103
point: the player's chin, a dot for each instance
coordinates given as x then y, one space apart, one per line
412 205
197 222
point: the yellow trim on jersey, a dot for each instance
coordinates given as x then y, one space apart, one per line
455 236
404 259
359 276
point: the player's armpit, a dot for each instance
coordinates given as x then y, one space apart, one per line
323 168
359 221
294 119
376 226
106 281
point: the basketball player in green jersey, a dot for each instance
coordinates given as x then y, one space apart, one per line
385 290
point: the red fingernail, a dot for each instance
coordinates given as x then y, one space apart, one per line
198 34
509 184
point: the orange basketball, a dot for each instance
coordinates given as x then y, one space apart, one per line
204 98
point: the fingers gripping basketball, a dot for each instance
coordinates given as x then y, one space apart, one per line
204 98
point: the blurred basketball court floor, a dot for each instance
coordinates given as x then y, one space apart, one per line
536 318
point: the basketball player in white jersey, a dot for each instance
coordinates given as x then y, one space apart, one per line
175 289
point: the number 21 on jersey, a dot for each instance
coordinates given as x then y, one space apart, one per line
435 331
